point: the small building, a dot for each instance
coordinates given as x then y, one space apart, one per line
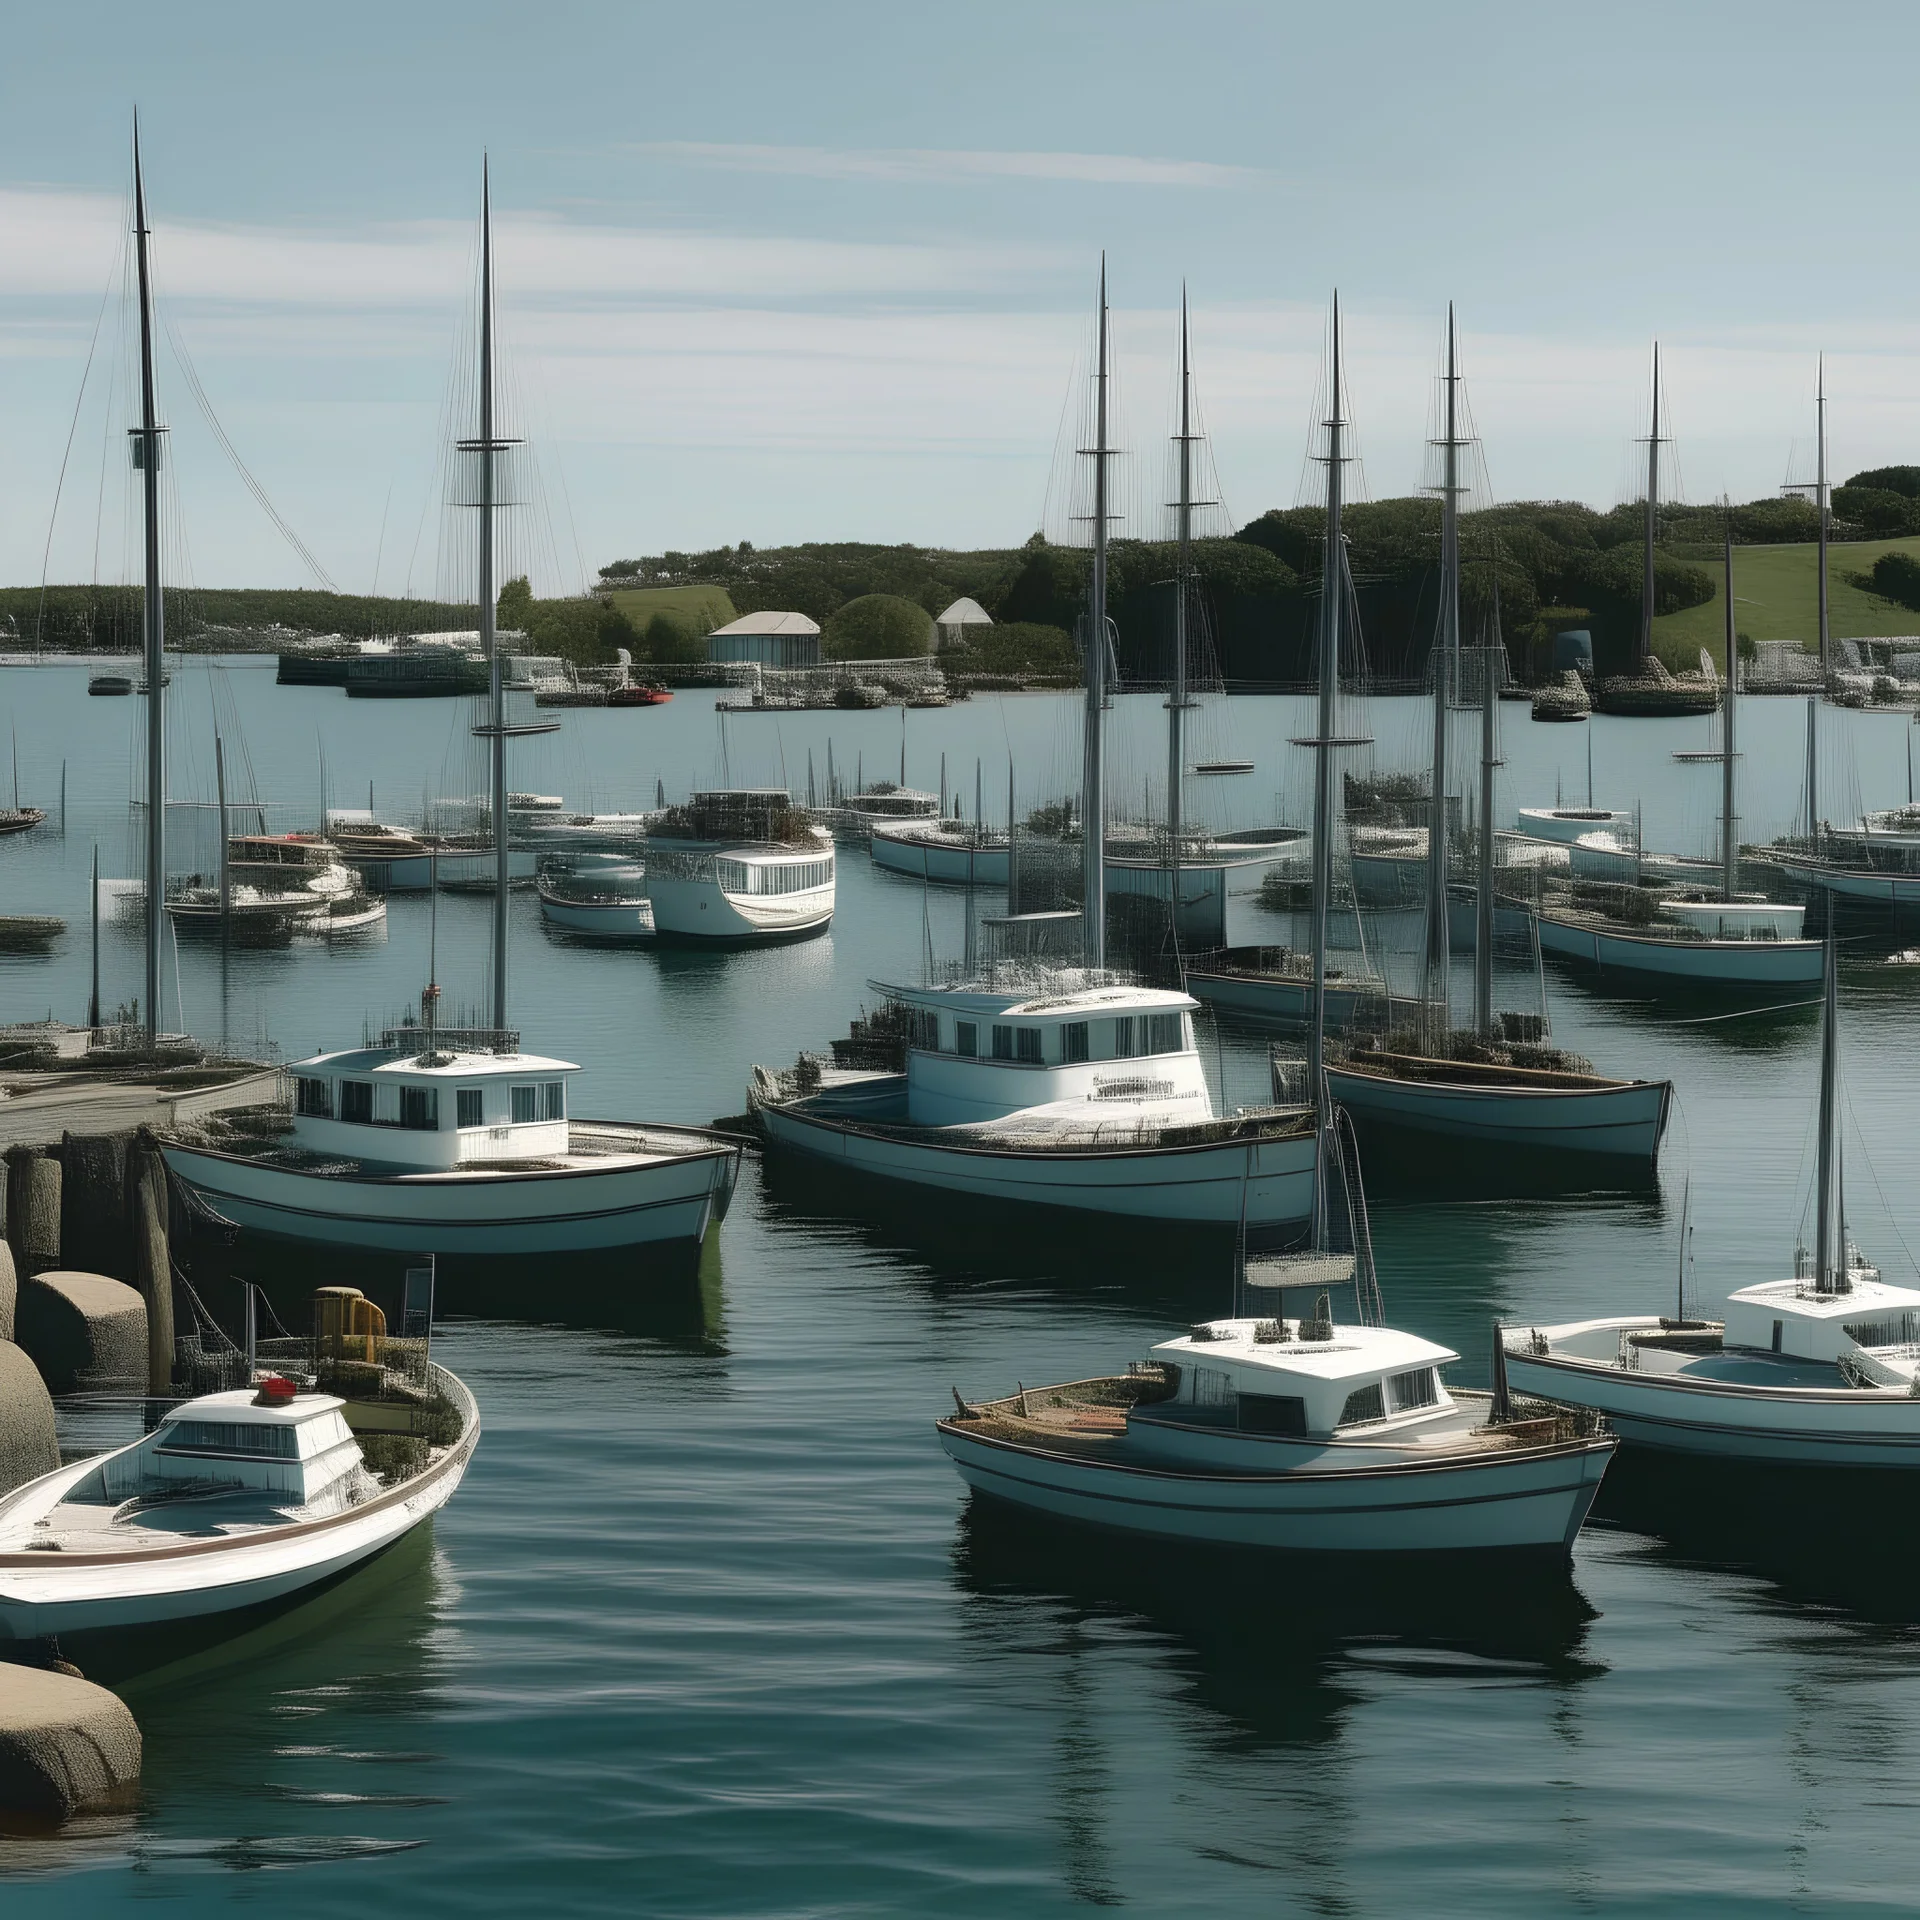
951 627
766 640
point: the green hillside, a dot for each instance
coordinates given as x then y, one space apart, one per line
1776 596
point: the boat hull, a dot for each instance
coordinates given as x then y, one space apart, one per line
569 1210
941 861
45 1594
1624 1122
1778 1426
1534 1500
1742 963
698 912
1203 1185
1279 997
602 919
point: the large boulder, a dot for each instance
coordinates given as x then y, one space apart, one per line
66 1746
93 1204
28 1445
33 1208
84 1330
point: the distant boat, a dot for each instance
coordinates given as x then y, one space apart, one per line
1223 766
110 683
948 853
638 696
20 819
739 867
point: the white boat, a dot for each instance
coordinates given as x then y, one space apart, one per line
1087 1094
1288 1434
456 1142
1674 954
1568 824
1822 1369
595 906
233 1500
739 867
948 854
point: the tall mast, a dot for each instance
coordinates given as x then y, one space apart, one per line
1483 889
1093 797
1820 501
1446 656
1653 507
1729 825
1829 1260
1332 608
1182 586
489 639
146 454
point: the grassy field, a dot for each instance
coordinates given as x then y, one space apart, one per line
705 607
1776 598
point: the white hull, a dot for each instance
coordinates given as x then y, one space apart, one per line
1862 883
625 1203
1565 825
46 1594
699 910
1623 1122
944 862
1773 963
1535 1500
1782 1426
1206 1185
604 919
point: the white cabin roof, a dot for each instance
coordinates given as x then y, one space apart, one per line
448 1065
240 1407
1067 1000
1800 1300
770 622
1354 1353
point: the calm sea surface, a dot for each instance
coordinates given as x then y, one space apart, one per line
712 1629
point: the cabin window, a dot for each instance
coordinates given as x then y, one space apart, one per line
923 1029
420 1108
386 1104
526 1105
1123 1048
468 1103
1073 1040
314 1098
1363 1404
1779 1326
1273 1413
230 1436
1003 1043
966 1039
1163 1033
732 875
1028 1044
553 1100
356 1101
1418 1388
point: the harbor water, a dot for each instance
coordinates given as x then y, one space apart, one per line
712 1627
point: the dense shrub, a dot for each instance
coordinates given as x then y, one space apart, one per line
877 626
1897 576
1016 646
1903 480
1877 510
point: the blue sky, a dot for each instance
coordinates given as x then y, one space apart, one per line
779 272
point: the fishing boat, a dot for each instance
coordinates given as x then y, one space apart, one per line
739 867
603 902
454 1140
638 695
1063 1087
1822 1369
1685 935
1500 1083
233 1500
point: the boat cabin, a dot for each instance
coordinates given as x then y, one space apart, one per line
297 1452
1301 1378
402 1105
977 1054
1793 1318
1748 918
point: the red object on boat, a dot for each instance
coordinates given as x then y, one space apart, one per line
276 1391
638 697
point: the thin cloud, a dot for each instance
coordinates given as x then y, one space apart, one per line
942 166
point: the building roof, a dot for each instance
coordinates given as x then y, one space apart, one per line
393 1064
966 613
770 622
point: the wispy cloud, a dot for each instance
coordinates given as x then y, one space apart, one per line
946 166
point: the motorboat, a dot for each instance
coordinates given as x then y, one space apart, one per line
604 902
1057 1087
233 1500
1295 1434
445 1141
1822 1369
19 819
638 695
739 867
1565 825
948 853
